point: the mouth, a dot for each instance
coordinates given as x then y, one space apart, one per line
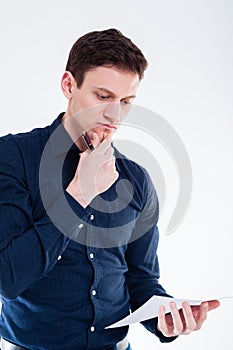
108 126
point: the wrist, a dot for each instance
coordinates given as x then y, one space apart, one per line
74 190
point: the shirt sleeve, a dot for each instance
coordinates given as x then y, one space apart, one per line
28 249
143 267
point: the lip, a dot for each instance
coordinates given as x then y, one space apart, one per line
108 126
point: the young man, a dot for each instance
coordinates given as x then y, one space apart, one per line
65 278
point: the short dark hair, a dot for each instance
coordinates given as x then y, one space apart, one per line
104 48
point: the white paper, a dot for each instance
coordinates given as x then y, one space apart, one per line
151 307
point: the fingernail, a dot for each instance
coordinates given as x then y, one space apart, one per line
162 308
185 304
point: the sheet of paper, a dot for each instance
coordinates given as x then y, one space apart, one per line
151 307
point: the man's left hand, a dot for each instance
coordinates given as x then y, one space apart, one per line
186 320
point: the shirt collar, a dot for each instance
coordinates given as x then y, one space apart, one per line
59 139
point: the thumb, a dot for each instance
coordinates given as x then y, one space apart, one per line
95 139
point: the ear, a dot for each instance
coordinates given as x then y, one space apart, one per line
67 84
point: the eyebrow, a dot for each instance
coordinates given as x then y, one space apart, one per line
112 93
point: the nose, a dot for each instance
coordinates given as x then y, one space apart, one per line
112 112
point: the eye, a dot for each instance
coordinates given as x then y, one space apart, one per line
126 102
103 97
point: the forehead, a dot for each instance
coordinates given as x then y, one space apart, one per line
113 79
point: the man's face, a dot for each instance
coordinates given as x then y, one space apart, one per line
103 100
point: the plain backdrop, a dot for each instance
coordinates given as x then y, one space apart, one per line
189 82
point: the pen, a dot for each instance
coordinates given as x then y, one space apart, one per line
87 141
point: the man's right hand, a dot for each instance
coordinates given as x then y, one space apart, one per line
96 172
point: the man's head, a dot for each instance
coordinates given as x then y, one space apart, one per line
102 75
108 48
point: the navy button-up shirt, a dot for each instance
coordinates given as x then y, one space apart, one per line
61 286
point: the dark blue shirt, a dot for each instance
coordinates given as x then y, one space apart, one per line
62 283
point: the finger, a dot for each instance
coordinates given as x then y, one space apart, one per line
110 164
95 139
108 137
162 324
109 153
202 315
190 322
177 321
115 176
84 154
213 304
103 146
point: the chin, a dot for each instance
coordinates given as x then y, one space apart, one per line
102 133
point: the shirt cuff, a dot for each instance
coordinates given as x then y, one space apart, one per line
151 326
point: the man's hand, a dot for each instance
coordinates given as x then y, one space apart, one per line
186 320
96 172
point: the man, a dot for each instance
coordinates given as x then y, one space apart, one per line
66 274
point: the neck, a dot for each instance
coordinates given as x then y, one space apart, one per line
74 130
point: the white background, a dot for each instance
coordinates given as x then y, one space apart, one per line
189 82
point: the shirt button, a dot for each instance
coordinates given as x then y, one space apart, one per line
94 292
59 257
80 225
92 217
92 329
91 255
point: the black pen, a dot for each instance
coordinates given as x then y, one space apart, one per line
87 141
